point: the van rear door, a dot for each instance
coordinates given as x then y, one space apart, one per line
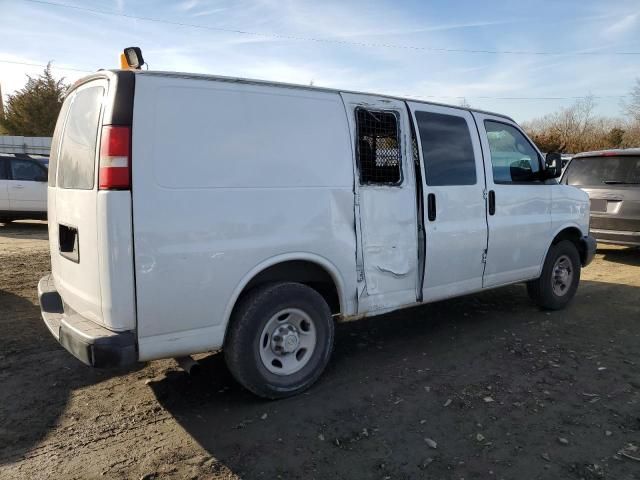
90 230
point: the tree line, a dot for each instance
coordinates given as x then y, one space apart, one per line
33 110
577 129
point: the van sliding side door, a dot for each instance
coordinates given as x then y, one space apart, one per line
385 194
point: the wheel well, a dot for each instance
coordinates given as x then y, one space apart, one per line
574 235
301 271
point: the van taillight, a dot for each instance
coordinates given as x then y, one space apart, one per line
115 158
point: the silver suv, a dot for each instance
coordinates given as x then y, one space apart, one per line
612 180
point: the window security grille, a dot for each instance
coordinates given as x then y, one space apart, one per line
378 148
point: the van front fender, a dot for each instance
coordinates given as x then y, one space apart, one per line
572 231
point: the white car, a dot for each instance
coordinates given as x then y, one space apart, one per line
190 213
23 187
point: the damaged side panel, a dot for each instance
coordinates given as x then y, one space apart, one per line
389 257
385 207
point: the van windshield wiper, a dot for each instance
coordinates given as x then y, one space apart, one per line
619 182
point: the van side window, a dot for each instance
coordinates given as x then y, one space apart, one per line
27 171
3 169
55 142
513 158
378 147
446 149
76 162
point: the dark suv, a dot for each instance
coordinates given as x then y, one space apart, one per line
612 180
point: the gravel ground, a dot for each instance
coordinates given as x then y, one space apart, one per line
486 386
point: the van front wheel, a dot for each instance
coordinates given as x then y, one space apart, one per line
279 340
559 279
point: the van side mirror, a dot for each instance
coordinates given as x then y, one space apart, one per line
552 166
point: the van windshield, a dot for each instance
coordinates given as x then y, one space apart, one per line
614 170
76 163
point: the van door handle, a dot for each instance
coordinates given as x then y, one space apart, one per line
492 202
431 207
17 187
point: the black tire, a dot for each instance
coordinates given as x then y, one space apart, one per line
243 343
542 289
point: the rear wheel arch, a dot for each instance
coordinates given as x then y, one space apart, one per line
307 269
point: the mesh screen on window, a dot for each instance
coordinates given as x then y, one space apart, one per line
378 148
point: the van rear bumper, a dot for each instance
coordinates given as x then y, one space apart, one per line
91 343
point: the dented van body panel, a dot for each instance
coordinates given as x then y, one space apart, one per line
232 200
386 213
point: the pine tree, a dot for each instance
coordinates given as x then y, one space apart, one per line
33 110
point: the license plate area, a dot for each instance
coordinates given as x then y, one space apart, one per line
598 205
69 242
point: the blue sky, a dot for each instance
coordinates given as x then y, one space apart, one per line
348 49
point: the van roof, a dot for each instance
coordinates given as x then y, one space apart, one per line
220 78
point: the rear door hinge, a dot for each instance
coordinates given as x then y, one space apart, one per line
484 256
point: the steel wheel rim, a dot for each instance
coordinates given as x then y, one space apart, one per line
562 276
287 341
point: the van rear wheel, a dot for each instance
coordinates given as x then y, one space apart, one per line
560 276
280 339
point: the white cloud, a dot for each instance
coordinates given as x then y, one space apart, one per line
206 13
78 38
188 5
622 26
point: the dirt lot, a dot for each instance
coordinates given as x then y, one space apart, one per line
504 389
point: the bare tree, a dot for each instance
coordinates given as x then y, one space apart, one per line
631 137
575 129
632 107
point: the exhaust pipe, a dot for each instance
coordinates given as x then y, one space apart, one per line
188 364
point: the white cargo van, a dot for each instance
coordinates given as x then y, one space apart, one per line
191 213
